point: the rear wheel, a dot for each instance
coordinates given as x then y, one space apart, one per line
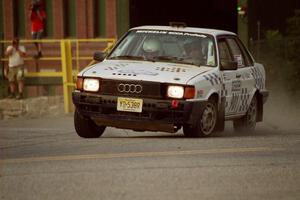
206 124
86 128
247 122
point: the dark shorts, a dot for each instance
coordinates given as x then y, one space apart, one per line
37 35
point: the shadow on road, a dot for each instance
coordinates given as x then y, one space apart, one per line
262 130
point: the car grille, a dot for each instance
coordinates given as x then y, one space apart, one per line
132 88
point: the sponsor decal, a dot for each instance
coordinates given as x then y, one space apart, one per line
226 76
140 72
172 33
236 85
239 60
111 68
200 93
246 75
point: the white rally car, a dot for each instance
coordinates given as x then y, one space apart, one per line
164 78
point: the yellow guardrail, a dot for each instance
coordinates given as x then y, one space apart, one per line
67 72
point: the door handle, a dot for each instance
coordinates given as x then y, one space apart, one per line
238 75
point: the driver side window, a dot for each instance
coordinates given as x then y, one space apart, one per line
224 51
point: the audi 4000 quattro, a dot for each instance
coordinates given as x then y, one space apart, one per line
164 78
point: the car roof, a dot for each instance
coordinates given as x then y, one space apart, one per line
214 32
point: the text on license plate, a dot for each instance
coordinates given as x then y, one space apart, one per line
129 104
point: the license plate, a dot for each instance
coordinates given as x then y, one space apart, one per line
129 104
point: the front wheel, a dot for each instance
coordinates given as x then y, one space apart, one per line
248 121
206 124
86 128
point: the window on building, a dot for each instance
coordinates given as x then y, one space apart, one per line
99 18
122 16
19 17
1 21
49 20
70 18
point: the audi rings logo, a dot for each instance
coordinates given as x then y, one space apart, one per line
130 88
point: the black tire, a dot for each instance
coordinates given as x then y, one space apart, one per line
247 122
188 131
206 125
86 128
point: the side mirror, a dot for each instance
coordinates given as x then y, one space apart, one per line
228 65
99 56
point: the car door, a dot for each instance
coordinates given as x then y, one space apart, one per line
231 84
244 79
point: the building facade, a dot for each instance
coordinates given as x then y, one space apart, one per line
105 19
67 18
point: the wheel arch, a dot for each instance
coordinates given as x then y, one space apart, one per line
214 96
220 110
260 107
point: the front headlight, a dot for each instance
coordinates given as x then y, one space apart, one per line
91 85
176 92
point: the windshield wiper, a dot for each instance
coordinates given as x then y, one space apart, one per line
174 59
168 58
128 57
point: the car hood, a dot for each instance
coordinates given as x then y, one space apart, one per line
145 71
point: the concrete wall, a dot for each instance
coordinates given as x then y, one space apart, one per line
31 108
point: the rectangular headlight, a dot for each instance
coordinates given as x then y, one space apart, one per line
176 92
91 84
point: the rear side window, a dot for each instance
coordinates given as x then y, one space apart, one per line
236 52
248 60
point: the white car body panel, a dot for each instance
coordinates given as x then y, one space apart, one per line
234 86
144 71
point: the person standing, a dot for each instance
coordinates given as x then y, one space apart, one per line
15 70
37 16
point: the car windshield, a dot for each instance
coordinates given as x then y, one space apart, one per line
167 46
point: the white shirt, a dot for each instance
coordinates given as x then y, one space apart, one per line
15 59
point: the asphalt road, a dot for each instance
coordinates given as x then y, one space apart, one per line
45 159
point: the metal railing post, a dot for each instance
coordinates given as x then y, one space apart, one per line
66 74
66 61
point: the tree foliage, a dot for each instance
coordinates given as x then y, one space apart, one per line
282 54
293 25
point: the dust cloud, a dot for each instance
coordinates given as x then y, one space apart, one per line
282 110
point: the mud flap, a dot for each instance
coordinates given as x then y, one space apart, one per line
260 108
221 115
261 99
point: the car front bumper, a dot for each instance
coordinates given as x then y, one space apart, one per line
156 115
